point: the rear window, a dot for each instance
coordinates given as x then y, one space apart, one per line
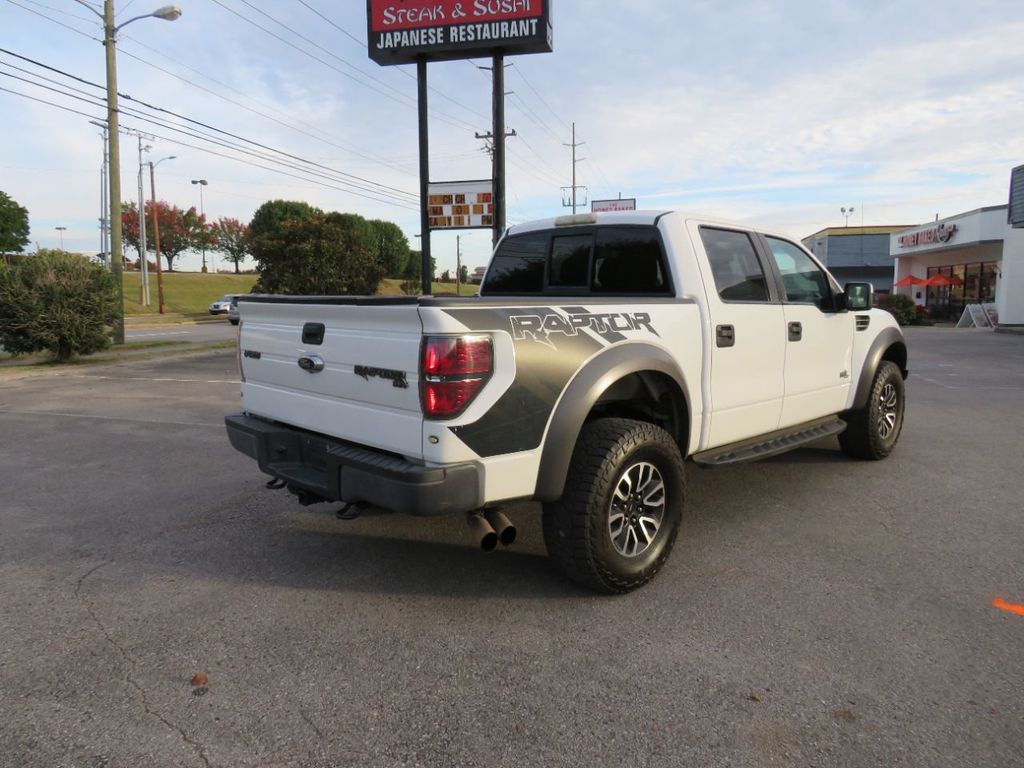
518 266
600 260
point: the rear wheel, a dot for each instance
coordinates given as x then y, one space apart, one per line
619 515
872 431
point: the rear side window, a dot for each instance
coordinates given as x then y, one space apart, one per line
570 260
518 266
598 260
738 273
628 260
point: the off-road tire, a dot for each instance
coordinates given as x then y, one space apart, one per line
576 527
864 437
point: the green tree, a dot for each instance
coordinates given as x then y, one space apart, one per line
392 247
14 227
56 301
327 254
463 274
232 239
180 230
412 283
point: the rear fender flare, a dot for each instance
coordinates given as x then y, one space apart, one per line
580 396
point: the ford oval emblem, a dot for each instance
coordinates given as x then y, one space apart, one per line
311 364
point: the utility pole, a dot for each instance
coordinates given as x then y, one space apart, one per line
422 110
114 178
575 160
156 236
104 199
143 258
496 143
458 265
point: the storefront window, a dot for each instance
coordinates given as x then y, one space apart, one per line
987 285
972 283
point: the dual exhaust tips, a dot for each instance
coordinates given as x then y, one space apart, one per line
489 527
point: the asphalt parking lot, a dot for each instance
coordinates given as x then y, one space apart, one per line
817 611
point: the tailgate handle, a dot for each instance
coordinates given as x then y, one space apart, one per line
313 333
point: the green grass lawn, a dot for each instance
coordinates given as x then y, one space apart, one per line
192 292
186 292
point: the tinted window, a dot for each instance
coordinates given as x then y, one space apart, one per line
518 266
570 258
802 279
628 260
738 273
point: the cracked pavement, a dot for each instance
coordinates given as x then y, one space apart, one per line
816 610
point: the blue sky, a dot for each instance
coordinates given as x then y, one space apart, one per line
772 113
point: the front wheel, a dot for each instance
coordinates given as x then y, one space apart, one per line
872 431
620 512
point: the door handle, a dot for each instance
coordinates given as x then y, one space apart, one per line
796 331
725 336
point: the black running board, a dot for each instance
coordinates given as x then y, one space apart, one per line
771 444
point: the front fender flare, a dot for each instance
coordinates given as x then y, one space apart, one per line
885 340
580 396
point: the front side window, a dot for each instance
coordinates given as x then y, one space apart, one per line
803 280
734 264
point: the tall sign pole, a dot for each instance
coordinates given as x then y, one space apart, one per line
498 98
421 82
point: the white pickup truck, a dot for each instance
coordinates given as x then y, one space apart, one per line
602 351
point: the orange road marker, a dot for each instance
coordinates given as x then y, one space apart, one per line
1008 607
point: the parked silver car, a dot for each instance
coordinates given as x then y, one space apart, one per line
221 305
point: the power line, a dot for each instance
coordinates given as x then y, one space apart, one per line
202 149
537 94
350 187
401 71
55 21
399 97
59 10
207 126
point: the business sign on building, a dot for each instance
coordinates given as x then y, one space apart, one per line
939 234
405 31
605 206
1015 215
461 204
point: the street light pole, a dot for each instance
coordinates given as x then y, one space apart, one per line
156 231
110 30
61 230
202 212
143 259
104 199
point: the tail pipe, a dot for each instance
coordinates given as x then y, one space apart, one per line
501 525
483 534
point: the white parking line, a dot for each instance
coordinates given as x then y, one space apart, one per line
145 378
110 418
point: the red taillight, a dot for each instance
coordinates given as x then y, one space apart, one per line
454 370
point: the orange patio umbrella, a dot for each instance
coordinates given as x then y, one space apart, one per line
942 280
910 280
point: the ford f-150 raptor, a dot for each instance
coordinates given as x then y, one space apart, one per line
601 353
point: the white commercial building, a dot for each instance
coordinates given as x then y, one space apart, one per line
980 253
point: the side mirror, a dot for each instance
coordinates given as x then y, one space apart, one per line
859 296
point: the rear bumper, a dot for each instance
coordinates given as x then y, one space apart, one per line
338 471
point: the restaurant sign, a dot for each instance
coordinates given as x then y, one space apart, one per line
406 31
942 233
461 204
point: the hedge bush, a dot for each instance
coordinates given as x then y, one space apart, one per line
57 302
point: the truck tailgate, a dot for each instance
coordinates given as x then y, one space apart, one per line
367 390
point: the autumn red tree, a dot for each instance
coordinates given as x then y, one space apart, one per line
180 230
232 239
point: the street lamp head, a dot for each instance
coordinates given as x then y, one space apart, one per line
167 13
203 182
